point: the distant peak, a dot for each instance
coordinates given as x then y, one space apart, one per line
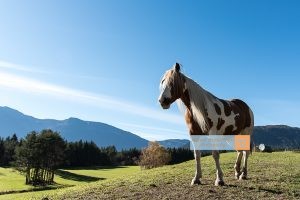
276 126
8 109
73 119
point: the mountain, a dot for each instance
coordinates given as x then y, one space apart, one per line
72 129
275 136
175 143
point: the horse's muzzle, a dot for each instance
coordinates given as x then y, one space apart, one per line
165 102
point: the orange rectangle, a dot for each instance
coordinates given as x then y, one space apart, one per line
242 142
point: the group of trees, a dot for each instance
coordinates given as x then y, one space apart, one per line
81 154
39 154
86 154
7 149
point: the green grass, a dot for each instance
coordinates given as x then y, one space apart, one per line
12 181
85 175
271 176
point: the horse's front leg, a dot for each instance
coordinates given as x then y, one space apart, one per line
198 173
237 166
219 179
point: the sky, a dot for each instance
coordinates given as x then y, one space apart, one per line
103 60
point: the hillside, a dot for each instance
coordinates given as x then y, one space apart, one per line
277 136
281 181
72 129
175 143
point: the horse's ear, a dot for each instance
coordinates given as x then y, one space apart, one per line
177 67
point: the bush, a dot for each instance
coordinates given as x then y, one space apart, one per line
153 156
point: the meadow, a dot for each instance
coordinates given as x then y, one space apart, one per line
271 176
12 182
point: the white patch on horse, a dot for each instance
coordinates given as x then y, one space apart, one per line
213 115
165 89
167 92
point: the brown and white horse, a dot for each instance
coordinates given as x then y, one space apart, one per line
208 115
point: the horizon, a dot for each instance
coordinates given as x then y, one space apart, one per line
103 61
18 134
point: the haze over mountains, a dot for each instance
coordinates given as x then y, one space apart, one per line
73 129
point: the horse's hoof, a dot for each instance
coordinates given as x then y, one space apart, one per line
243 176
237 175
196 182
219 183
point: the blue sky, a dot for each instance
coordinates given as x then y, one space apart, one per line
103 60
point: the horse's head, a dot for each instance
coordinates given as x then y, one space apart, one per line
172 86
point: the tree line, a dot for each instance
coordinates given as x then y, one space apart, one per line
39 154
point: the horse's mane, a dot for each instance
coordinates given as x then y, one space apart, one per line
201 101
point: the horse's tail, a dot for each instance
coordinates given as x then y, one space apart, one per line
251 145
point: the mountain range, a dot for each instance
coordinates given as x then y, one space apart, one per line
73 129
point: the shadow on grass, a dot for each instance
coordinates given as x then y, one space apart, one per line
6 166
259 189
76 177
38 188
95 167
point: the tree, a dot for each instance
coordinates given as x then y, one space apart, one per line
39 155
2 151
154 155
8 148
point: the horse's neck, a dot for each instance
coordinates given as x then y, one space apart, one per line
198 95
198 101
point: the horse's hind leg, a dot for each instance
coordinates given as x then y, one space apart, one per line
245 160
237 166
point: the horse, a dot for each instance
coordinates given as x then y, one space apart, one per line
205 114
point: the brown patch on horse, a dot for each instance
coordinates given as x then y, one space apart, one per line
242 117
209 121
227 109
245 110
228 130
220 123
218 109
185 98
193 126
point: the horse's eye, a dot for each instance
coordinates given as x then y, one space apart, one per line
162 81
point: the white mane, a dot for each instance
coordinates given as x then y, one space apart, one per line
201 102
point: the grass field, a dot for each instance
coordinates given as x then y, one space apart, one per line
12 181
271 176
